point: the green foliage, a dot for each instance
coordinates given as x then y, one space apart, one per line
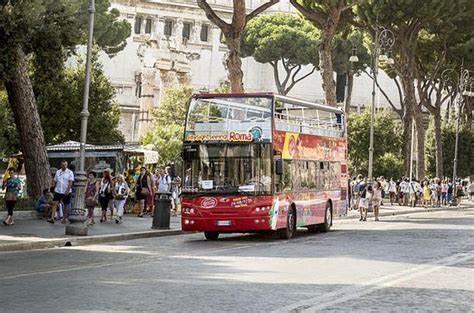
173 108
224 87
9 143
281 36
342 50
389 165
168 125
60 103
465 164
387 143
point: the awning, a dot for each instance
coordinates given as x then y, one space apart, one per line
149 156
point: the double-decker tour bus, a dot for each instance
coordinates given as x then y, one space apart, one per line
261 162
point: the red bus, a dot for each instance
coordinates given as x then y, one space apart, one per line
262 162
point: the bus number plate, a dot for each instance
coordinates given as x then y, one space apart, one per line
224 223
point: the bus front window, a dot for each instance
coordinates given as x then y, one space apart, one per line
242 168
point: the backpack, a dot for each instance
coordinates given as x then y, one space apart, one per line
450 188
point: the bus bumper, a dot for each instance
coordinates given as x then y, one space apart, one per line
229 225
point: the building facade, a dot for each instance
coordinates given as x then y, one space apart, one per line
172 42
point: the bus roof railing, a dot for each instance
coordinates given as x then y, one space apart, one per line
308 104
286 99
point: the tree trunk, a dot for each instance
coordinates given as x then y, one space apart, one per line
438 143
407 124
325 62
28 123
350 85
234 63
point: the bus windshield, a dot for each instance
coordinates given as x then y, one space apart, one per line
229 169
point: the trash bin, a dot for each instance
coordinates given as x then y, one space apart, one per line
161 217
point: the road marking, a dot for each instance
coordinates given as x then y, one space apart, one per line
321 302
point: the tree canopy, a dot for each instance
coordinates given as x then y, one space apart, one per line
44 33
387 139
168 124
282 40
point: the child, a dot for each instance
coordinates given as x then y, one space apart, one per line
44 203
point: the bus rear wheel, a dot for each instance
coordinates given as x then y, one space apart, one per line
326 226
290 230
211 235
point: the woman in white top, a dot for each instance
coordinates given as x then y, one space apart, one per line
120 196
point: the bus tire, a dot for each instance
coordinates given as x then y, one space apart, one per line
211 235
290 230
326 226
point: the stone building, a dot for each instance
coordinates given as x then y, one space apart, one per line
173 42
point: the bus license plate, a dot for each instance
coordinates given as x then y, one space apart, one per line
224 223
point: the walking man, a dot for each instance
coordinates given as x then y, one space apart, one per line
63 180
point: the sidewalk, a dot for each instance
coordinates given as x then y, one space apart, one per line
389 210
37 233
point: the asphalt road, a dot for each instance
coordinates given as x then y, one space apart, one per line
418 262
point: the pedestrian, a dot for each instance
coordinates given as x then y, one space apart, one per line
392 190
120 196
92 191
142 189
363 200
444 192
450 192
63 180
356 191
459 192
383 184
13 187
434 192
471 190
426 194
164 180
175 193
377 199
44 203
105 193
412 192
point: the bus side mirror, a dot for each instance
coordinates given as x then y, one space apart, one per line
279 166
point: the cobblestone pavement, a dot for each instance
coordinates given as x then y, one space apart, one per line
417 262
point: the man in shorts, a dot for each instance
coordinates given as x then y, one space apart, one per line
63 180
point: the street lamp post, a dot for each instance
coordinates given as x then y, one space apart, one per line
461 83
383 40
463 79
77 216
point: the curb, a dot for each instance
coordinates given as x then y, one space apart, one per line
81 241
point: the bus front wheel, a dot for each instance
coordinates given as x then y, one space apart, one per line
290 230
211 235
